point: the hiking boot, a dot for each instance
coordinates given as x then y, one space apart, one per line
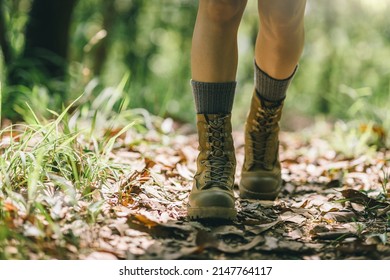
261 171
212 194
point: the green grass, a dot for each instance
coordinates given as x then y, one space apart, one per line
62 162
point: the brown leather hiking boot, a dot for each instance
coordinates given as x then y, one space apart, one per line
261 171
212 194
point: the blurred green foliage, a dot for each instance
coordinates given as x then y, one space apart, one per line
344 71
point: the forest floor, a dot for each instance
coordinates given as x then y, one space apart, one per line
334 205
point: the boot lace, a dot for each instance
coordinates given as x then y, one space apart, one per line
218 165
261 136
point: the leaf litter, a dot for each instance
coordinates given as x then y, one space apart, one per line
331 207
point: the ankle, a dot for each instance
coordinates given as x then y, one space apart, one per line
270 89
213 98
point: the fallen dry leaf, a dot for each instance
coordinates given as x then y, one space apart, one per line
292 217
257 229
295 234
358 197
341 216
206 240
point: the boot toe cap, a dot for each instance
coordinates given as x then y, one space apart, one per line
212 204
260 186
212 198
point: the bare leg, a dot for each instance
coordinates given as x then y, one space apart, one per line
214 46
280 40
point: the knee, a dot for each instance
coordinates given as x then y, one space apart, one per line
284 19
224 13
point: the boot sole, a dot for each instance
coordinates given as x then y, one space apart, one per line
212 213
244 193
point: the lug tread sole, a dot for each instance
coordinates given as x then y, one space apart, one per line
247 194
211 213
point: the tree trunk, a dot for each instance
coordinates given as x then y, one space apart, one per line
4 41
45 54
101 52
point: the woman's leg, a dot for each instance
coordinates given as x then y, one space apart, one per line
214 45
280 40
214 65
278 48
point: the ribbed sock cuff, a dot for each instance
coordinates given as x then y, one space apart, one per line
213 98
269 88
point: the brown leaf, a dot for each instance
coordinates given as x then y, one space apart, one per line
376 238
228 230
357 207
246 247
149 163
206 239
184 172
361 198
167 160
357 247
8 206
291 246
295 234
340 216
336 183
330 207
332 235
262 227
145 221
292 217
271 243
337 231
301 204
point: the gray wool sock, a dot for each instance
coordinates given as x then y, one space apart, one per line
271 89
213 98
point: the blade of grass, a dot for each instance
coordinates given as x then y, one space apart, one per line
33 113
33 178
48 218
110 144
93 124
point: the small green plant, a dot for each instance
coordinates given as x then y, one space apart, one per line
384 181
350 140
